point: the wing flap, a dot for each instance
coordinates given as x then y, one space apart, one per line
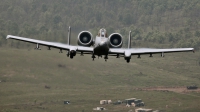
117 51
85 49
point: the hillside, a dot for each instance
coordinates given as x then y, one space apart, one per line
25 73
168 23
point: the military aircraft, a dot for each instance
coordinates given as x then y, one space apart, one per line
102 45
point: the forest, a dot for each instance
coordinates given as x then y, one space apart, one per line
154 23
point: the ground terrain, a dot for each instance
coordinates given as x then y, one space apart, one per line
40 81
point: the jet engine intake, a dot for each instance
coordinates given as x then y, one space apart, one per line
115 40
85 39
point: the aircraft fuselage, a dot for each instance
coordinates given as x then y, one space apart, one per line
101 46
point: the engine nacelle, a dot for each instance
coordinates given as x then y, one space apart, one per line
85 38
115 40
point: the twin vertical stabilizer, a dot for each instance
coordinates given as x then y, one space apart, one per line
69 35
129 40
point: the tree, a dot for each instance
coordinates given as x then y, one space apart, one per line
57 19
197 33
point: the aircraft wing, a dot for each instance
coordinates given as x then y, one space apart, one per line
140 51
52 44
89 50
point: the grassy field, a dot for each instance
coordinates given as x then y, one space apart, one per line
25 73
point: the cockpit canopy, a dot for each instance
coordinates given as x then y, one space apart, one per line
102 33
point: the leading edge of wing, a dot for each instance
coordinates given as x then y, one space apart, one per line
40 42
135 51
51 44
154 51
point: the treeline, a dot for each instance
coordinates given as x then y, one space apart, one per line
182 38
168 23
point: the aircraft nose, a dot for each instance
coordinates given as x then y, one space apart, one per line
101 43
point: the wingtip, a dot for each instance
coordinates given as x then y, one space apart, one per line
193 50
8 36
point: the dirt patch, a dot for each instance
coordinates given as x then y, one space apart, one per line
173 89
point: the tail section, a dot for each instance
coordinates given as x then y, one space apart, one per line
129 40
69 35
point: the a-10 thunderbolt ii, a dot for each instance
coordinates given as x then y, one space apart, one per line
101 45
